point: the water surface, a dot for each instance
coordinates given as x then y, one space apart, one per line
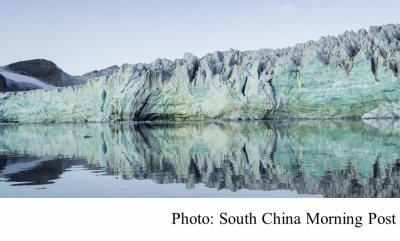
202 159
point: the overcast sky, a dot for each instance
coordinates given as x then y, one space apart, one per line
84 35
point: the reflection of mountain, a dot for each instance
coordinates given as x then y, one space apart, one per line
28 170
336 159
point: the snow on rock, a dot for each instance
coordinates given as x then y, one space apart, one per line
27 79
44 70
20 86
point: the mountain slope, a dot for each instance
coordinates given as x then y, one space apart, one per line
44 70
9 85
103 72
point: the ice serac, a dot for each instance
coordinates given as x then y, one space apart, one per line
352 75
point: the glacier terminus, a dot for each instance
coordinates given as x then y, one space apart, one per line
353 75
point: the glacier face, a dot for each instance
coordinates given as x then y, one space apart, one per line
352 75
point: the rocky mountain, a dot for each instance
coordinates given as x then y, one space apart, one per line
43 74
44 70
353 75
98 73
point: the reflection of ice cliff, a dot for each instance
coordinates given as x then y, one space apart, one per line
337 159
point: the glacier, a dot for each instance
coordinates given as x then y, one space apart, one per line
353 75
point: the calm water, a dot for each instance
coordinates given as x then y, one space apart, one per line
246 159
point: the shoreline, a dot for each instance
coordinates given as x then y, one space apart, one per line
216 121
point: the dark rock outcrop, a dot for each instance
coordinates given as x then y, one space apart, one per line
3 83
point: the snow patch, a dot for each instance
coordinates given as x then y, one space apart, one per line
23 78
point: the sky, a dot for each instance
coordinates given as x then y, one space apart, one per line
84 35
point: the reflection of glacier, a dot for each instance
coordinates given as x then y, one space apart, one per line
336 159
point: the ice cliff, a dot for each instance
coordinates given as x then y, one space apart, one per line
352 75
